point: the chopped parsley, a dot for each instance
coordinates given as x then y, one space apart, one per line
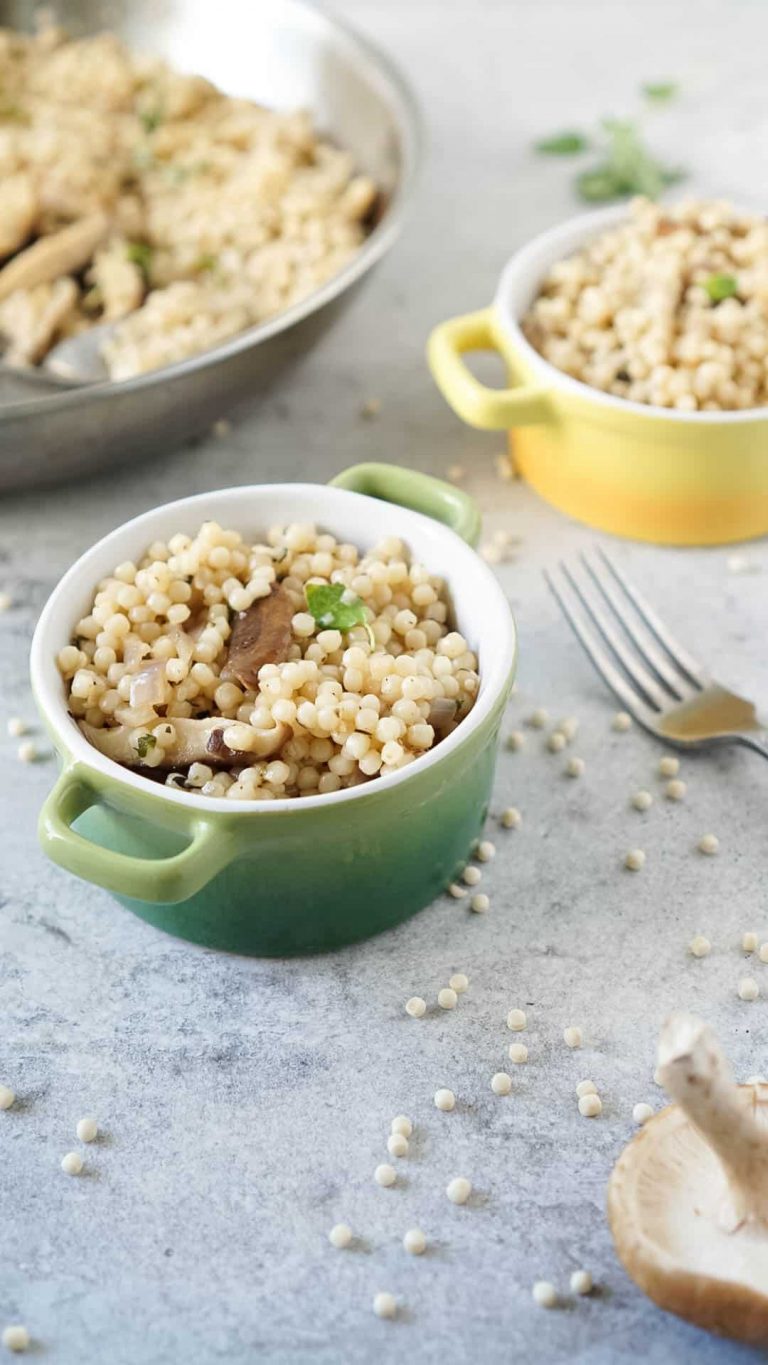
140 254
151 118
144 744
659 91
721 287
335 607
206 262
562 144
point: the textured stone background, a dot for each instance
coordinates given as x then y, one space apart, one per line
245 1104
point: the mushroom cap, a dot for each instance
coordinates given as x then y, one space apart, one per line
666 1197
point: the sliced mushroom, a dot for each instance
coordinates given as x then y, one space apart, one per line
688 1198
60 253
197 741
260 635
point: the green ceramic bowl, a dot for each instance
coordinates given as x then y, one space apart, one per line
289 876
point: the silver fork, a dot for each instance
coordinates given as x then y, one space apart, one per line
654 678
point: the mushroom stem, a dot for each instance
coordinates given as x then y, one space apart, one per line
695 1072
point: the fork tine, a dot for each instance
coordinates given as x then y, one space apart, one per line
675 680
629 660
645 611
600 658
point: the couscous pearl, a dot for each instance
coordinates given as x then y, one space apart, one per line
416 1007
569 727
669 766
581 1282
16 727
401 1124
340 1235
538 718
748 989
459 1190
575 767
445 1100
458 892
87 1130
447 998
572 1036
501 1083
7 1097
642 1113
27 751
763 952
510 818
516 1020
518 1053
385 1175
415 1242
472 875
700 946
479 903
749 942
384 1305
459 983
586 1088
15 1337
544 1294
556 742
72 1163
634 860
5 601
621 722
515 740
642 800
709 844
590 1105
675 789
397 1144
485 851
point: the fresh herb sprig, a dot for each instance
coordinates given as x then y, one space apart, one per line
629 167
335 607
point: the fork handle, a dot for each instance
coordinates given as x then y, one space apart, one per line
759 746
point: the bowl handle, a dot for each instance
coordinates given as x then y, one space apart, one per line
157 880
420 492
479 405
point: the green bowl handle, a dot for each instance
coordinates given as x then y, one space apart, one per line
420 492
157 880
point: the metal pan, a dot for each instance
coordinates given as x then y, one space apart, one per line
286 54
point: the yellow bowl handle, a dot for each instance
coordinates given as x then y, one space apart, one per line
480 406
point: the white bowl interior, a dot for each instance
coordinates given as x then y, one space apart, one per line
481 609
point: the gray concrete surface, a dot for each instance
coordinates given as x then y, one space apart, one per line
245 1104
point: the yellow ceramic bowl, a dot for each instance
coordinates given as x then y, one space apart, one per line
675 478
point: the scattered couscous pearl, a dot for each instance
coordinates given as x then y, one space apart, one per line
485 851
414 1241
16 727
447 998
479 903
15 1336
749 942
455 473
416 1007
544 1294
87 1129
515 740
72 1163
581 1282
340 1235
763 953
657 1078
458 1190
590 1105
459 983
572 1036
458 892
518 1053
622 721
385 1175
700 946
538 718
384 1305
642 1113
586 1088
642 800
675 789
748 989
501 1083
634 860
471 875
556 742
401 1124
575 767
569 728
709 843
397 1144
7 1097
491 553
5 601
516 1020
510 818
27 751
669 766
445 1100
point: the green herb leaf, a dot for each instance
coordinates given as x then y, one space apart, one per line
144 744
151 119
629 168
335 607
660 90
562 144
206 262
599 186
140 253
721 287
